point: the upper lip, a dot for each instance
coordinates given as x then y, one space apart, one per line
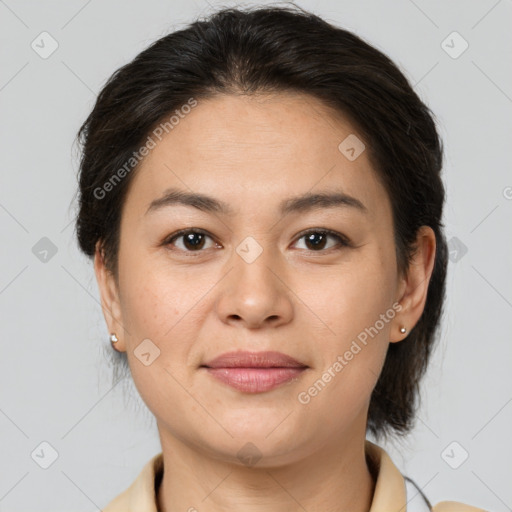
244 359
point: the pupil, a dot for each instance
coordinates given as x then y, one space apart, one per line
318 243
189 239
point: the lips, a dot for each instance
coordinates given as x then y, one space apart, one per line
243 359
254 372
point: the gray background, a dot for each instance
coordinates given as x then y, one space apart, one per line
55 382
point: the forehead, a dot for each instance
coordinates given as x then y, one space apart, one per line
249 149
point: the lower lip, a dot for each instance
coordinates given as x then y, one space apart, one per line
254 380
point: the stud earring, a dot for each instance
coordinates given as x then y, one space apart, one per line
403 330
113 339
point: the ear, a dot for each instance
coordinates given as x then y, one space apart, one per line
109 294
414 284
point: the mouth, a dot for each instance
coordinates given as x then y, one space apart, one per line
254 380
254 372
245 359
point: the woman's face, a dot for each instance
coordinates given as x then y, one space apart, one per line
257 274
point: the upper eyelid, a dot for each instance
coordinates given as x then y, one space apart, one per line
327 231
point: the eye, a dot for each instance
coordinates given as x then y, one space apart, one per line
192 240
316 239
195 240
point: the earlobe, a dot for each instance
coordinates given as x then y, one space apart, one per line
109 295
399 333
413 292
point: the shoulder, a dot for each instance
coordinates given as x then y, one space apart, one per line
455 506
140 496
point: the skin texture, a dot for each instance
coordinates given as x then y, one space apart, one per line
310 303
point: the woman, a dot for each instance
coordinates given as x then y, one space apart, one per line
261 194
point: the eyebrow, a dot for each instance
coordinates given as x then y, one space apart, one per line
299 204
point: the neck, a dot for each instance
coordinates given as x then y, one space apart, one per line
333 479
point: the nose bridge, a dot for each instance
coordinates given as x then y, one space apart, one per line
253 264
252 293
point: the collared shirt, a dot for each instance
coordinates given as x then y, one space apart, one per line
391 492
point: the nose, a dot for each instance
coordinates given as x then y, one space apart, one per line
255 294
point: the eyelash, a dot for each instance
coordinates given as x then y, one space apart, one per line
342 240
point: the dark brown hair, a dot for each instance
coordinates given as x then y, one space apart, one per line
272 50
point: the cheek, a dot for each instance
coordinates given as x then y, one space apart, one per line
357 308
166 306
353 299
152 298
149 306
356 303
155 310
